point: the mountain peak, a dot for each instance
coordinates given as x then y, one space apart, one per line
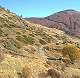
67 20
70 10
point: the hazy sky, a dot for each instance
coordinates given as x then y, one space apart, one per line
39 8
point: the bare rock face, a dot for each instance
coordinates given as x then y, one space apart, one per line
67 20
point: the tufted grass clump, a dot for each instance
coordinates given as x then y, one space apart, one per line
1 55
43 42
1 32
26 72
18 33
26 39
12 45
72 51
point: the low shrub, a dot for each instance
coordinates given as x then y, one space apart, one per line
26 72
72 51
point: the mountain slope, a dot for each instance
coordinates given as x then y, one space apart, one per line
29 50
67 20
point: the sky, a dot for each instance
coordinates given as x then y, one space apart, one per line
39 8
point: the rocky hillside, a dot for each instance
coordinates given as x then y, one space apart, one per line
67 20
29 50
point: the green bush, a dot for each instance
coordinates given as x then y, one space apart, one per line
72 51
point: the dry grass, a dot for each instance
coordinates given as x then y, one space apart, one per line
55 74
72 73
26 41
26 72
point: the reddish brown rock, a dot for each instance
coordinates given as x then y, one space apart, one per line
67 20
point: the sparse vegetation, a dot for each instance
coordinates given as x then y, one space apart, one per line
26 39
42 41
64 38
29 50
1 32
78 45
18 33
55 74
26 72
1 56
47 38
12 45
20 38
